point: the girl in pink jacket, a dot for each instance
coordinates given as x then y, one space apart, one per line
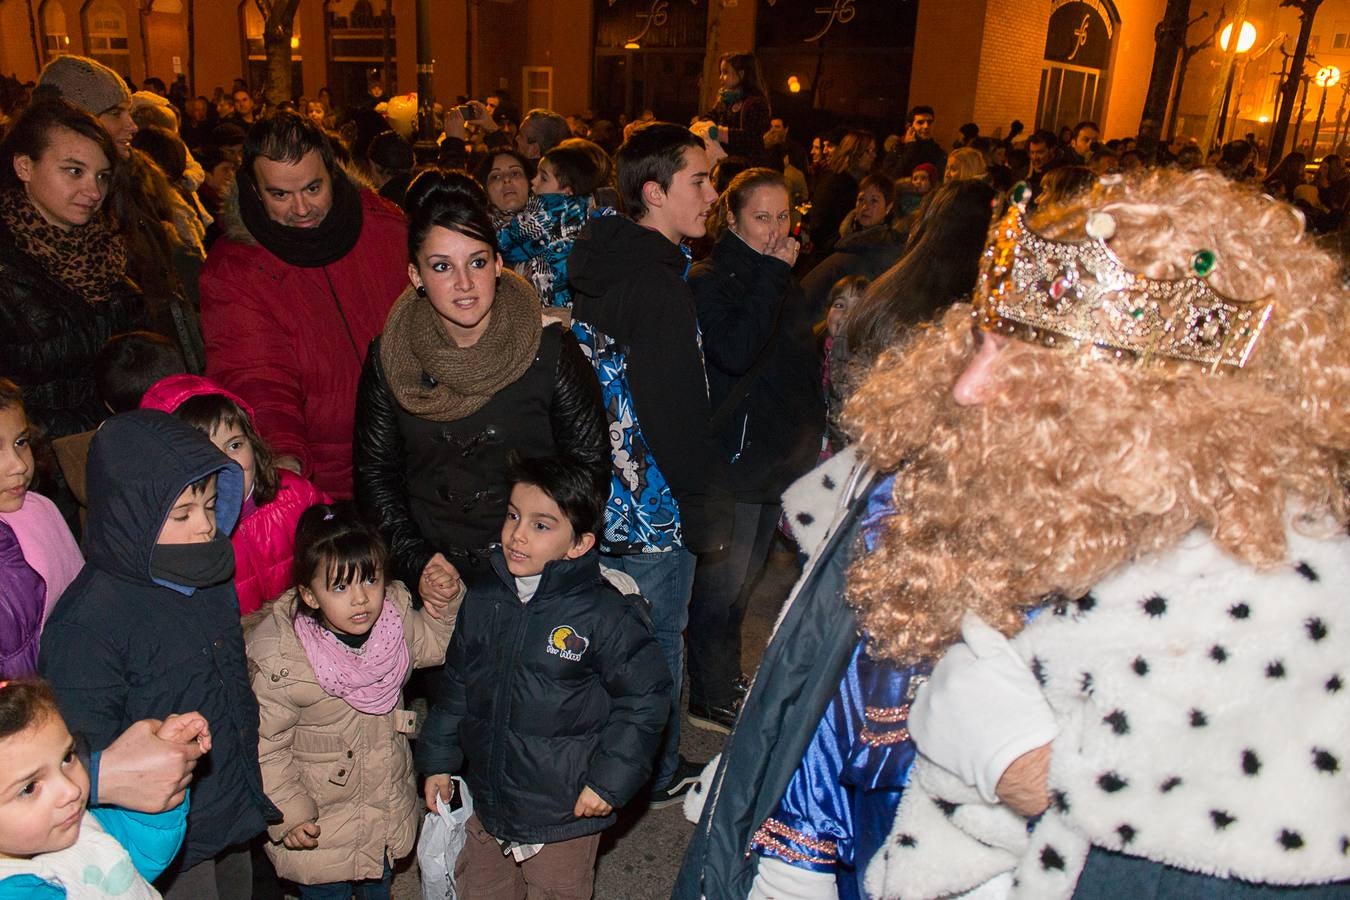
38 543
274 498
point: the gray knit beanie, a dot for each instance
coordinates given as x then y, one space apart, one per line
85 82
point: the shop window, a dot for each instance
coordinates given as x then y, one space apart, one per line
55 35
105 35
538 82
356 49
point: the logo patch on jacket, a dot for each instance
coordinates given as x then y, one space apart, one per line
564 641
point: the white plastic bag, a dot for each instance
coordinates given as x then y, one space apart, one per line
443 836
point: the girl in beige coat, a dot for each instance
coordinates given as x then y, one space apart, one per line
328 661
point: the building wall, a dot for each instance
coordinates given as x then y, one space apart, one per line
1010 57
947 45
312 50
166 34
219 44
405 38
1131 64
981 61
16 45
559 34
447 48
974 60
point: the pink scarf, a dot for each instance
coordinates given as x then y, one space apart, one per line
370 678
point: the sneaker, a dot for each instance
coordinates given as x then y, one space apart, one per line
715 718
686 776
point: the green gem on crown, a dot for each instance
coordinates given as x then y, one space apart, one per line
1203 262
1020 192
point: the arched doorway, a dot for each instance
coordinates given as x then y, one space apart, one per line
105 35
1078 47
55 34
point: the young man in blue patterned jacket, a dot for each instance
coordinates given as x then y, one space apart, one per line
634 316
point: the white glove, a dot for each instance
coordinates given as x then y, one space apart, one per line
777 880
981 709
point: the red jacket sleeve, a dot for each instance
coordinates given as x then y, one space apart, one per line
249 352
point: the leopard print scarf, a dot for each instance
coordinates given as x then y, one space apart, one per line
91 260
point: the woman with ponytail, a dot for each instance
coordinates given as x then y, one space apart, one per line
464 373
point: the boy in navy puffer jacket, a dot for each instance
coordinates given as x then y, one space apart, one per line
555 695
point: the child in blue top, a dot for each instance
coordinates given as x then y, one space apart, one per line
52 844
537 240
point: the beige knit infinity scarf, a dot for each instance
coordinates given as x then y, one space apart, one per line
415 342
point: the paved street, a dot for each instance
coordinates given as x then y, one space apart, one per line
640 856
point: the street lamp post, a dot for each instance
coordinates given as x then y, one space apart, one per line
1326 78
425 149
1302 108
1245 38
1245 41
1340 116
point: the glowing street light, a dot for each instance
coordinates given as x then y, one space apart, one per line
794 84
1326 78
1246 37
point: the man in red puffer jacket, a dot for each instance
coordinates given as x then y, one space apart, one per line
295 289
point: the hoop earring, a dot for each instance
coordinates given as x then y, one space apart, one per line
421 290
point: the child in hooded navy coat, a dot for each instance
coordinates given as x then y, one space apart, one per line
150 627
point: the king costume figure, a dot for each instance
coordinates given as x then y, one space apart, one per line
1074 623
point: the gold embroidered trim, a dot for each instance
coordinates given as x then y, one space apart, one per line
886 715
772 829
883 738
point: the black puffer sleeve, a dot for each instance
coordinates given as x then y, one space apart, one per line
380 473
577 414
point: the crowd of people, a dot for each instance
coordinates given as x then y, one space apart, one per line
1057 425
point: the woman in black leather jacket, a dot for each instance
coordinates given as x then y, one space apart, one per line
463 374
63 288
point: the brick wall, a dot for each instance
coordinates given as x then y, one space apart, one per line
1131 64
16 45
947 46
560 35
1011 53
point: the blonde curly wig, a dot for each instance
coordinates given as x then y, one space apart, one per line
1076 463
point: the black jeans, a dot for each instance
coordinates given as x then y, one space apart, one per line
722 585
229 876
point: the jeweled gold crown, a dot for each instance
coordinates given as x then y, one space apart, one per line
1080 293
